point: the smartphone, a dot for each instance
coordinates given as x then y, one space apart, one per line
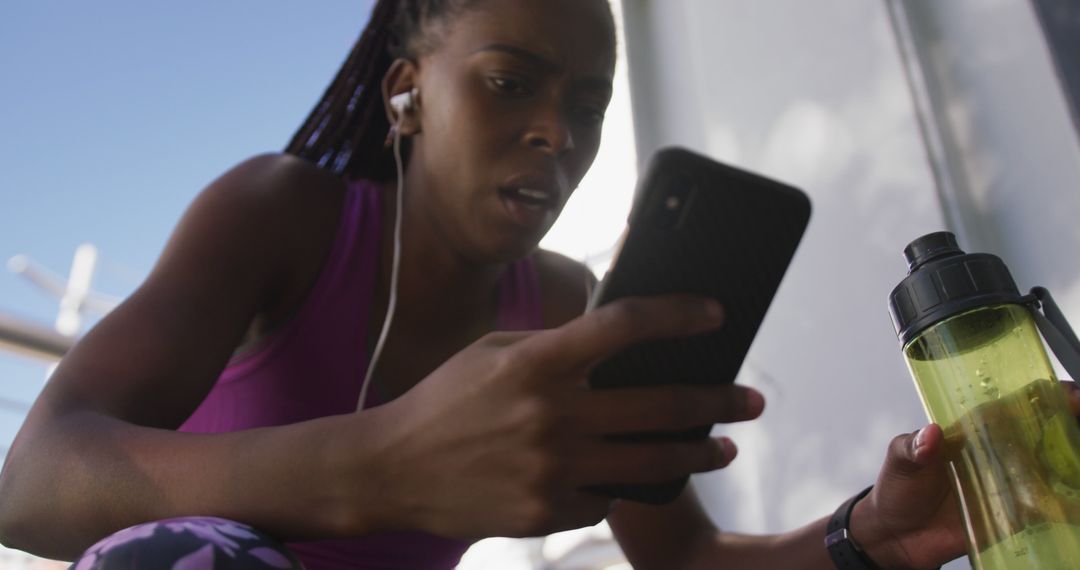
701 227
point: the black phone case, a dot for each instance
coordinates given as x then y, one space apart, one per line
699 227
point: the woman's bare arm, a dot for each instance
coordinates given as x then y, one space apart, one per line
97 451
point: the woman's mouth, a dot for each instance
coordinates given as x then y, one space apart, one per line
529 206
530 196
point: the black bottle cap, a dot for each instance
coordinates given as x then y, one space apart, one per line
943 281
930 247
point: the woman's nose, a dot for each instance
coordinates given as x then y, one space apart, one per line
550 133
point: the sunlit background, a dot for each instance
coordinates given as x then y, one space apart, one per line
898 117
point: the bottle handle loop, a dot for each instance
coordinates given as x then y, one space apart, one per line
1056 330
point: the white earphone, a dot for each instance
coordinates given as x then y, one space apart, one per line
404 102
401 103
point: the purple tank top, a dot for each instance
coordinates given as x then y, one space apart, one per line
313 366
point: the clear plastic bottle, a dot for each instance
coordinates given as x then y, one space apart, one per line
982 373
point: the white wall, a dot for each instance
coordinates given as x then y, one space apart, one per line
1010 153
815 94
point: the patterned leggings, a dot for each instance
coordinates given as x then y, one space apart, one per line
189 543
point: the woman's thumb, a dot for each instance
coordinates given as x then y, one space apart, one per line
911 452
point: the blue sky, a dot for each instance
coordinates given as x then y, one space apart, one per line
115 113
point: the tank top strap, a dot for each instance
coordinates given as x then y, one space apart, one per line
348 272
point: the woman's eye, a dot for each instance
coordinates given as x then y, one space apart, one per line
509 85
590 115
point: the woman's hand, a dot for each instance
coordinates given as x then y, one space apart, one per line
912 518
502 438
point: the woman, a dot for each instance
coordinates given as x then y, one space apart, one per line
226 385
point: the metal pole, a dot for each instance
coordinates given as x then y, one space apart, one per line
33 340
947 177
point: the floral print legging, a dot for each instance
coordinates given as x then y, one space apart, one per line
189 543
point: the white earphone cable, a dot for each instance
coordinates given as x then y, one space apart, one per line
391 304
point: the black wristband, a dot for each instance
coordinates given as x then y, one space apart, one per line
842 549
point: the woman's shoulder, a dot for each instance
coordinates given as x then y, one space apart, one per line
277 178
565 285
281 197
276 214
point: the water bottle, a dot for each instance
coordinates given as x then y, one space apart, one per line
972 344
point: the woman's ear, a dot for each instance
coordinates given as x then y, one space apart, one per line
401 98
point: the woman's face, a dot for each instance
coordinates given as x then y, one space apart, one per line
511 108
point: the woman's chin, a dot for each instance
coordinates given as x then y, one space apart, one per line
510 247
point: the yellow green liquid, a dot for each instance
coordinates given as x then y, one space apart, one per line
1013 444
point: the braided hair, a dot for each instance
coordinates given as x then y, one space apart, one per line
346 130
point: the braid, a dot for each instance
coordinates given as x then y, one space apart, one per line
346 130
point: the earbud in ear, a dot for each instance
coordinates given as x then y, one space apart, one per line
405 102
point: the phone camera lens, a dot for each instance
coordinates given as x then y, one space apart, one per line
670 207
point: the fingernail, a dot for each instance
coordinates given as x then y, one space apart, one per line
917 443
714 310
